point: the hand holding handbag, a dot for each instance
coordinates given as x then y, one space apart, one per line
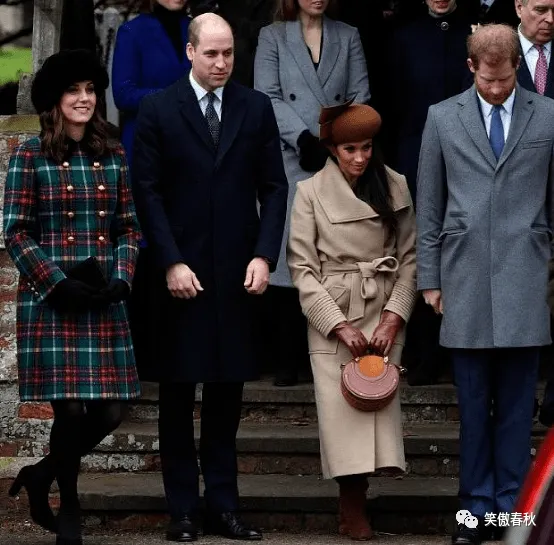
369 383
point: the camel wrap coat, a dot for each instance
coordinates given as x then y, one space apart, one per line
346 267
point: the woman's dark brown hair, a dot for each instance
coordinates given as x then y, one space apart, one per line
53 137
373 188
287 10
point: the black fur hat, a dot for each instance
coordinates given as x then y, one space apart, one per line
63 69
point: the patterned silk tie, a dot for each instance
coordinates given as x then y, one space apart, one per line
496 136
212 119
541 69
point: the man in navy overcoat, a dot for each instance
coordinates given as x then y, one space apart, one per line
206 150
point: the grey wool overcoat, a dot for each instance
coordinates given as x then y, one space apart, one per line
485 226
284 71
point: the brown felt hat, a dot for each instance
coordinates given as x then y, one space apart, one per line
348 122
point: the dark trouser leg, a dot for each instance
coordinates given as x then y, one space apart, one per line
472 374
548 399
423 356
177 449
515 381
221 408
289 333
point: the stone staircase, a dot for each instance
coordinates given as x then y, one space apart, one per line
280 483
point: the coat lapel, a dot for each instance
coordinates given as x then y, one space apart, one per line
521 114
549 91
341 205
329 51
337 198
472 120
299 52
524 76
231 119
192 114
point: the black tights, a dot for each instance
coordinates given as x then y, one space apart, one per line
78 427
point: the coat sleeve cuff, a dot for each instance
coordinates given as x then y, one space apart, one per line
43 289
324 315
402 301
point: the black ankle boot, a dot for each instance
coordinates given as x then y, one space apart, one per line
37 483
69 525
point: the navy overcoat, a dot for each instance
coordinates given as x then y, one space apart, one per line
198 205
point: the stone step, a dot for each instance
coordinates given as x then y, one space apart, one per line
431 449
264 402
281 502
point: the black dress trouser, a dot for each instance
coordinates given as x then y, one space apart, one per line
220 418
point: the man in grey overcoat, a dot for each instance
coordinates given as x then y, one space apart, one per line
484 216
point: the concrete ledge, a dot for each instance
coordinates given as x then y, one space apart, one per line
19 124
124 492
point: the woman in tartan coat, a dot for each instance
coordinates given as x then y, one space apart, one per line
67 199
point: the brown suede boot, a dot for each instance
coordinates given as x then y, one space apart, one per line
352 507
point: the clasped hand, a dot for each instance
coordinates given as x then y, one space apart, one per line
381 341
70 295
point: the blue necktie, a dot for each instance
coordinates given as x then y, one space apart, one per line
497 132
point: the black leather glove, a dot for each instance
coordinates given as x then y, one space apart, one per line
117 290
313 154
72 295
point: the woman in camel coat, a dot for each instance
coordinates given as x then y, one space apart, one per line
351 253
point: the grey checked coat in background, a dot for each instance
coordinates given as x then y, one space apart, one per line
283 69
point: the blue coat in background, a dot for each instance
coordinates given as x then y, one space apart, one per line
145 61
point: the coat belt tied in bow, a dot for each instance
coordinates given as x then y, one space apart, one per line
363 285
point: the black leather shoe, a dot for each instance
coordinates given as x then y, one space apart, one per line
498 533
467 536
69 525
183 530
230 526
37 484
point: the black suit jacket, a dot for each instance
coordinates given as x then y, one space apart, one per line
198 205
525 80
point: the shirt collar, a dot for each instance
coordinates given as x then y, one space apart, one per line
527 45
508 105
200 92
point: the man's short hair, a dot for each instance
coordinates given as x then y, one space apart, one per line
195 27
494 44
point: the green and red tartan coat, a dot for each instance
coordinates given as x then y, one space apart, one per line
55 216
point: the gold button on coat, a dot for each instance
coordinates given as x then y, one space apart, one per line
65 164
70 239
101 238
71 214
96 164
101 213
101 188
70 188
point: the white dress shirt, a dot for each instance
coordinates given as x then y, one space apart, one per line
202 96
530 53
505 113
487 3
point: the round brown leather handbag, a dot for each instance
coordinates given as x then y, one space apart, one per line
369 383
